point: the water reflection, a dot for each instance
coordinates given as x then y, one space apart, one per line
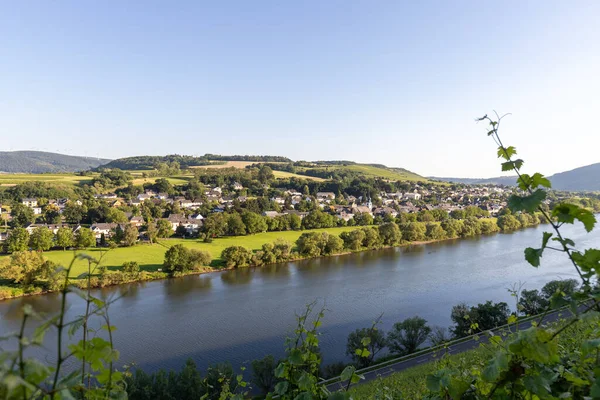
236 277
181 287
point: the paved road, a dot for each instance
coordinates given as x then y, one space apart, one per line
453 349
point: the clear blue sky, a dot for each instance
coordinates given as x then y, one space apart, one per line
392 82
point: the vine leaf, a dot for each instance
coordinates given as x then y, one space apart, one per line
527 203
526 181
533 255
510 165
495 367
568 213
506 152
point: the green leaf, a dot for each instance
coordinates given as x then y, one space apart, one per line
347 373
356 378
535 344
512 165
295 357
527 203
545 238
588 261
304 382
526 182
568 213
533 256
506 152
495 367
281 388
280 371
512 319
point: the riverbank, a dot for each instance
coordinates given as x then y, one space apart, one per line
150 258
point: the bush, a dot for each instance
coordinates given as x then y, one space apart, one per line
236 256
200 258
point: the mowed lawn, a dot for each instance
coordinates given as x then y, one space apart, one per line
150 257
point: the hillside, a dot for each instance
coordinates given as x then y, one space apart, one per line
585 178
149 162
37 162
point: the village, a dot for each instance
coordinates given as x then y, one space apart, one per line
191 212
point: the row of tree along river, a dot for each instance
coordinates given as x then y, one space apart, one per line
244 314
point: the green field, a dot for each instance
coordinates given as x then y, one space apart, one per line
284 174
14 179
150 257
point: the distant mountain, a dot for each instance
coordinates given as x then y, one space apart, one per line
37 162
579 179
583 178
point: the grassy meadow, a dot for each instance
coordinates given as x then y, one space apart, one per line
150 257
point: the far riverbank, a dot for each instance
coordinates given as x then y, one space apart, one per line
150 258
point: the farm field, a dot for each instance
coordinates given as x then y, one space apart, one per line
14 179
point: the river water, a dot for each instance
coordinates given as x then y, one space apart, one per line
242 315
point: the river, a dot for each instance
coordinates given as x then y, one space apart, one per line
241 315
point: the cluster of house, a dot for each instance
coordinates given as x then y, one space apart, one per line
491 199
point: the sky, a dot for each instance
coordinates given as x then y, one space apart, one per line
391 82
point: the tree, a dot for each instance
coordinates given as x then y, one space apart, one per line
490 315
254 222
363 219
453 227
406 336
236 256
461 317
353 240
181 231
151 232
265 174
390 234
164 228
73 212
117 216
508 223
130 235
200 258
214 225
22 216
65 237
434 232
24 267
333 245
235 225
312 244
41 239
425 216
470 227
372 339
85 238
17 240
131 268
177 259
439 335
372 239
318 219
566 286
414 231
263 374
532 302
52 214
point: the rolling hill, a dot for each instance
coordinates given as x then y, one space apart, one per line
37 162
585 178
